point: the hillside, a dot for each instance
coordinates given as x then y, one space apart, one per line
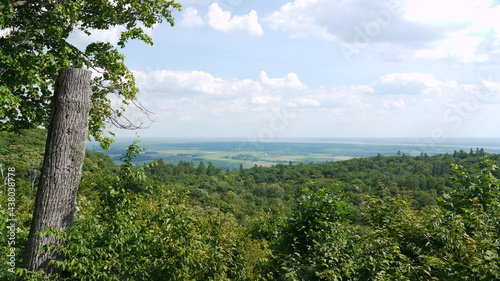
376 218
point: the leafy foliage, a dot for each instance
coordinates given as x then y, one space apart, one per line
36 46
401 243
287 222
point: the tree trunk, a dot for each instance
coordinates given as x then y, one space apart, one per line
55 204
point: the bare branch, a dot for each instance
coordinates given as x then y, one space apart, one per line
118 120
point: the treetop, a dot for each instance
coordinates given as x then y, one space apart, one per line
34 46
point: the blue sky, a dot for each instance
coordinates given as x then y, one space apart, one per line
261 70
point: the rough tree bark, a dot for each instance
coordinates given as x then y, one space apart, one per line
55 204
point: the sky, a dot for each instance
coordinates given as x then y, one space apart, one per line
263 70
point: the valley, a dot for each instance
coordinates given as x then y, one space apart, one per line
229 154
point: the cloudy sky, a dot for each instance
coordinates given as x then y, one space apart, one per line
262 70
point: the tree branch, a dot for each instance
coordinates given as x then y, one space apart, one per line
116 118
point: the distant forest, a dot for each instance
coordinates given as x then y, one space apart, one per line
375 218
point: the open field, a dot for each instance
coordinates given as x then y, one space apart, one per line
231 154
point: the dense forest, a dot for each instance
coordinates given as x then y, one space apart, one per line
378 218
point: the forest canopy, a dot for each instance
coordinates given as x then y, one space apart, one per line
378 218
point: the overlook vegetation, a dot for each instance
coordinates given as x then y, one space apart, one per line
378 218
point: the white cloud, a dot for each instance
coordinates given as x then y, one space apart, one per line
308 101
291 81
187 95
477 41
190 17
223 21
298 19
425 79
466 46
348 22
464 30
183 86
396 104
405 83
491 90
265 99
79 39
188 83
112 35
348 97
196 97
456 10
192 82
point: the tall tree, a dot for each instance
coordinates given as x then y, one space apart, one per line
33 48
61 171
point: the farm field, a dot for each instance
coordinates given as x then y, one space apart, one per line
230 154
